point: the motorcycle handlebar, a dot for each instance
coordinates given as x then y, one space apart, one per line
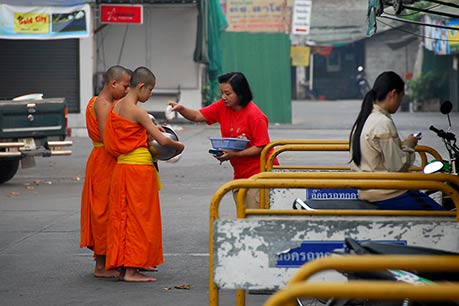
443 134
432 128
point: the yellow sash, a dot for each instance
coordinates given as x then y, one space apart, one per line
140 156
97 144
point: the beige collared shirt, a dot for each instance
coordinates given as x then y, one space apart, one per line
382 151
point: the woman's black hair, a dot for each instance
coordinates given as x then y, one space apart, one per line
240 86
385 83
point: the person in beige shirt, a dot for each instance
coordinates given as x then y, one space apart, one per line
376 145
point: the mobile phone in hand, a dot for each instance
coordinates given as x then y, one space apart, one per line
216 152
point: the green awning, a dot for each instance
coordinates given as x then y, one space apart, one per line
216 25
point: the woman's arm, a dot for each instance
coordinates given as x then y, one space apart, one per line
397 158
188 113
228 154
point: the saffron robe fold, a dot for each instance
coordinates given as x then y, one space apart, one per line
96 187
134 226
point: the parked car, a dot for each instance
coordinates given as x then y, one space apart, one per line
31 126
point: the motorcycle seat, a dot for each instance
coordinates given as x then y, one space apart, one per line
332 204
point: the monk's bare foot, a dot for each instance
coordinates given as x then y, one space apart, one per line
122 272
133 275
106 273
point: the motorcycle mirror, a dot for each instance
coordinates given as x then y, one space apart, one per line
446 107
433 167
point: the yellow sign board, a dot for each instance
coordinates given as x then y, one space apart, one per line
31 23
258 15
300 55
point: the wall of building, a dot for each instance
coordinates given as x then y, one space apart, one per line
87 65
379 56
165 43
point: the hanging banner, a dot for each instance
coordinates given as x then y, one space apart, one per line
258 15
301 19
48 22
453 36
441 41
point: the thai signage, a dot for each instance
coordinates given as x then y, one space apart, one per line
311 250
332 194
38 22
132 14
258 15
301 19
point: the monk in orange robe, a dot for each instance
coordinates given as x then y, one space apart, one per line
99 168
134 225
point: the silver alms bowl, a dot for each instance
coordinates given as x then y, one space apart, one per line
161 152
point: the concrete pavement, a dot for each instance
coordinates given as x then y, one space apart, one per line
40 259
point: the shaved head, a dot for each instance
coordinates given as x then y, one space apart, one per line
142 75
115 73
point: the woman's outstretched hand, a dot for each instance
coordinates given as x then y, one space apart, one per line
175 106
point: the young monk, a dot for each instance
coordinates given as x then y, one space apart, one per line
99 168
134 226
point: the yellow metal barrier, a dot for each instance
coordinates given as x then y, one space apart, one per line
307 148
244 184
386 290
359 263
328 145
381 290
439 177
266 164
276 143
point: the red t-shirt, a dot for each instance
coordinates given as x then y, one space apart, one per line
250 121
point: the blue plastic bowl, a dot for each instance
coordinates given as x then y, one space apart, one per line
234 144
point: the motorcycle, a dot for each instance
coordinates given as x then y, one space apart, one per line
361 81
371 247
449 139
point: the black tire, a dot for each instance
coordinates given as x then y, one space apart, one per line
8 169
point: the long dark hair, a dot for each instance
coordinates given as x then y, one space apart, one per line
240 85
385 83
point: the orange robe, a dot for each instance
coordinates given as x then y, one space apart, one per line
134 226
96 189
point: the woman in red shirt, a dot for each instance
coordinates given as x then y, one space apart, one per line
239 117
